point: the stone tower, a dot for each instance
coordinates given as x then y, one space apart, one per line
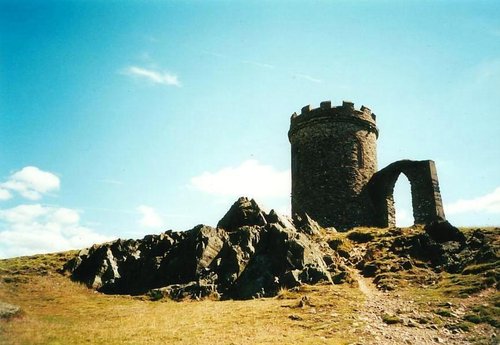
334 155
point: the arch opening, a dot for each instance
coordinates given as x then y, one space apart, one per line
403 207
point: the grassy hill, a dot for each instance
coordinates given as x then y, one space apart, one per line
393 298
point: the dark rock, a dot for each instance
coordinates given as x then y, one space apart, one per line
251 254
283 257
306 224
192 290
242 212
340 278
407 265
443 231
291 278
284 221
295 317
370 269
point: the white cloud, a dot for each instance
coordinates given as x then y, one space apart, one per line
250 178
65 216
153 76
22 213
5 194
31 183
489 203
32 229
149 217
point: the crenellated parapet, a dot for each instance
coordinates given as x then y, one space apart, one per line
326 113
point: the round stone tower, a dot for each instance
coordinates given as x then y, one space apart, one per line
334 155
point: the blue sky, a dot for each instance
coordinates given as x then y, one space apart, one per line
119 119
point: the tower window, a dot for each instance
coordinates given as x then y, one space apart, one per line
360 157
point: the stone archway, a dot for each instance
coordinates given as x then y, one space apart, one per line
425 194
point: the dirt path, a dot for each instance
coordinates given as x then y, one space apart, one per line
409 327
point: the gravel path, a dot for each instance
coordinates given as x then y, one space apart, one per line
407 328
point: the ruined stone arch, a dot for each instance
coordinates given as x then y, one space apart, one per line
425 194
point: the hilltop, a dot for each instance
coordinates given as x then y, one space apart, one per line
261 278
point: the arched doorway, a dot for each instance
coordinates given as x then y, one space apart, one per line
402 202
425 195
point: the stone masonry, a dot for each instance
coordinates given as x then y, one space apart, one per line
334 171
426 197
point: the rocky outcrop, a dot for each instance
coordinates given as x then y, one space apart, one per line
242 212
420 253
250 254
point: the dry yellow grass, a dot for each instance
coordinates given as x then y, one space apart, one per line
58 311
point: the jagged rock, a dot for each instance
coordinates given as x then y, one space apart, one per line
242 212
250 254
191 290
282 220
283 250
306 224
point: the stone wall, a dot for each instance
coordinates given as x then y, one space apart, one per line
426 197
333 158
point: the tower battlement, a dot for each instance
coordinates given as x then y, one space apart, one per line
325 112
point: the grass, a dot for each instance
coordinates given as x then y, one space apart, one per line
391 319
443 312
464 326
56 310
487 312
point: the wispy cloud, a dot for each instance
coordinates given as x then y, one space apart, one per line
489 203
149 217
250 178
306 77
32 229
30 182
152 75
242 61
264 65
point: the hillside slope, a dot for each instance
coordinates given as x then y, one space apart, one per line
418 285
